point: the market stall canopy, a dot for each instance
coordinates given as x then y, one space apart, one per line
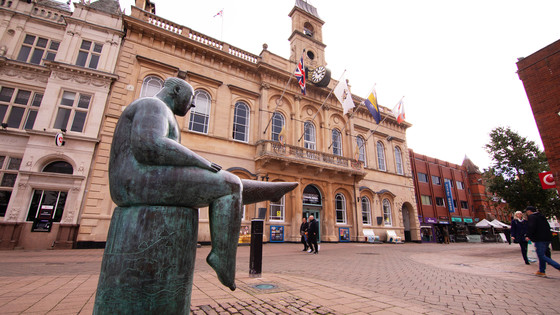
502 225
487 224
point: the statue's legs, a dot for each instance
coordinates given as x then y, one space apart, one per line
225 223
148 261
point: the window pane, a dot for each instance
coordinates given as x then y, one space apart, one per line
54 45
14 164
37 99
4 200
68 98
277 124
93 61
97 48
79 121
34 205
16 114
85 45
22 97
84 101
6 94
50 56
42 42
82 58
3 110
8 180
2 159
24 53
37 56
30 121
60 206
62 118
29 39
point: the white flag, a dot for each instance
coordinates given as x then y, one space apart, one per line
343 95
398 111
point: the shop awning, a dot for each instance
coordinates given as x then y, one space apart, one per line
487 224
502 225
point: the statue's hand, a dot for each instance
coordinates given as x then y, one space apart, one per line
215 167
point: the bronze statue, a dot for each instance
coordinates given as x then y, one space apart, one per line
152 175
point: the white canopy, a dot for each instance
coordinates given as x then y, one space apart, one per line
487 224
502 225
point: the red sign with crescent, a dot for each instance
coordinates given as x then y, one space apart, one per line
547 180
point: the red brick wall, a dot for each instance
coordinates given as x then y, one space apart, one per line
540 74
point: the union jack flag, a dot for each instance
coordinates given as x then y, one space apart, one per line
300 75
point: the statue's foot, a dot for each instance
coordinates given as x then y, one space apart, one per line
224 269
256 191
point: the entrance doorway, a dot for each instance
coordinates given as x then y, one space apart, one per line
314 213
406 223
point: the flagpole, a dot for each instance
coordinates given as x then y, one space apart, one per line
222 31
279 101
324 101
373 131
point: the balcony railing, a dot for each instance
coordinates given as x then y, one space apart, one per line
274 149
191 34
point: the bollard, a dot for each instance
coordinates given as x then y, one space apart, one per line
255 258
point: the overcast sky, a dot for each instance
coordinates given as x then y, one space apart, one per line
453 61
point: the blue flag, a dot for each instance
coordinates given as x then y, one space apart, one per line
371 104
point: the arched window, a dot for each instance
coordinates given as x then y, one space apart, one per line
277 210
278 121
312 196
398 160
381 156
340 206
361 149
309 136
241 122
387 218
366 211
150 86
200 114
59 167
336 142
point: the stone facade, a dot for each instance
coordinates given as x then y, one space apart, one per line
539 74
56 70
238 94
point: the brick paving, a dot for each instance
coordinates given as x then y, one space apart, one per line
349 278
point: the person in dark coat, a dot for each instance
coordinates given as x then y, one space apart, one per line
303 232
519 233
313 234
538 231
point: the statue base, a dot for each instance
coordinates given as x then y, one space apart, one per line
148 263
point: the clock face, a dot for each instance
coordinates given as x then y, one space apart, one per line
318 74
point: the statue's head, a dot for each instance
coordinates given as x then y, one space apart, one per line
181 93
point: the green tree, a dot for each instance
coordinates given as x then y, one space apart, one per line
514 172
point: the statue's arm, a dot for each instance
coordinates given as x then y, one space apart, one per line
150 142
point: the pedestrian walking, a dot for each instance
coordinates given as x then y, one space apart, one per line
519 233
312 234
538 231
303 232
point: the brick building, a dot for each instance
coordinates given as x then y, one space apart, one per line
540 74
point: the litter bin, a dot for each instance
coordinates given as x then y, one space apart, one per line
555 240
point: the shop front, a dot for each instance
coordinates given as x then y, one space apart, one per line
427 230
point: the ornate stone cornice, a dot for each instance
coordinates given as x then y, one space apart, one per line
81 75
26 71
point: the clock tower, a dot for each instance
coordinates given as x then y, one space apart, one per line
307 34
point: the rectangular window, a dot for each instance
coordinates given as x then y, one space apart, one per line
440 202
460 185
89 54
47 204
449 181
436 180
9 167
72 111
18 108
426 200
422 177
277 210
36 49
464 205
